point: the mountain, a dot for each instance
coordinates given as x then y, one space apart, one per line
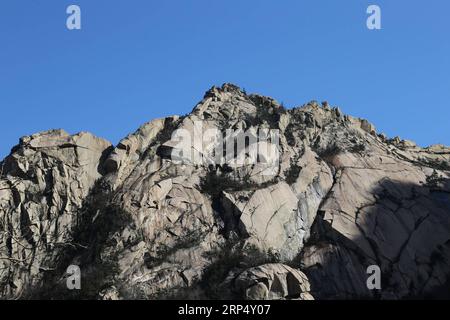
241 198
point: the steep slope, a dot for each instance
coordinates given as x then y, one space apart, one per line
43 185
239 199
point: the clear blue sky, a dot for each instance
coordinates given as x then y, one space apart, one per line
136 60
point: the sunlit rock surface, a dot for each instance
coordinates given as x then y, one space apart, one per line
152 218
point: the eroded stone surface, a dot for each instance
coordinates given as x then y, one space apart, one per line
44 183
147 220
273 281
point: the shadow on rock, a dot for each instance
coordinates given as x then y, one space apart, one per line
405 231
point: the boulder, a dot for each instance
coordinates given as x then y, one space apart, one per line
274 282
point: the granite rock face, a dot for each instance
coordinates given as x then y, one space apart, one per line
299 210
273 281
43 185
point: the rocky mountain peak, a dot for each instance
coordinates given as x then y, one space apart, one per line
304 201
230 102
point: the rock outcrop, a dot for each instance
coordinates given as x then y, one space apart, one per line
240 199
44 183
273 281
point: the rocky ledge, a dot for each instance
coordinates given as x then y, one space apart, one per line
145 220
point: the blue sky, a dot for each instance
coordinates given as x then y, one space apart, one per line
136 60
